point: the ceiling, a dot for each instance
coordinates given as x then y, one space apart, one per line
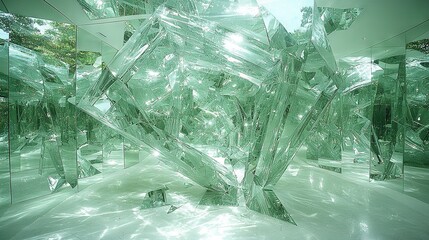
383 24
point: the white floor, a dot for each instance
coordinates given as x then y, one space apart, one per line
324 204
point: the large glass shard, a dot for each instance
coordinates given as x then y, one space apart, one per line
210 97
288 111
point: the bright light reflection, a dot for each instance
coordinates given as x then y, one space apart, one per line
232 42
363 226
156 153
239 173
112 163
103 233
99 3
153 73
293 171
248 10
233 60
86 211
236 37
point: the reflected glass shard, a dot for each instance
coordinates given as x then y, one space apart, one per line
97 9
42 123
338 19
388 120
357 96
416 147
417 131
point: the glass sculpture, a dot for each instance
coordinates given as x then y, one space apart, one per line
224 103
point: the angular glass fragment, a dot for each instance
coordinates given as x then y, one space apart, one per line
155 198
56 183
86 169
172 209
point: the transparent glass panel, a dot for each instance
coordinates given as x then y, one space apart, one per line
5 190
416 156
357 99
388 119
89 67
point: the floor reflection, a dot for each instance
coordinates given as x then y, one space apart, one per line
324 204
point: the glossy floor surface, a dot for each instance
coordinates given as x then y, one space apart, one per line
324 204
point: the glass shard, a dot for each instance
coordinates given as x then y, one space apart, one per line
172 209
155 198
55 183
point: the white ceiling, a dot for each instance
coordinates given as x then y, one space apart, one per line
382 24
